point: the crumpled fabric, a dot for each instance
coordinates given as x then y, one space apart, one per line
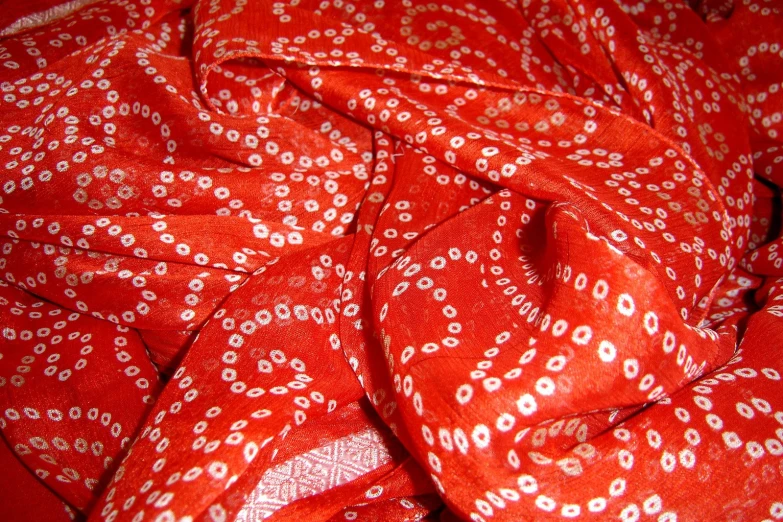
334 260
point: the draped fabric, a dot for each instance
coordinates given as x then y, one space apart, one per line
391 260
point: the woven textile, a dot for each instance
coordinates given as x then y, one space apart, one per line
391 260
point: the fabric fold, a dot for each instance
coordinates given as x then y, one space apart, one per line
391 260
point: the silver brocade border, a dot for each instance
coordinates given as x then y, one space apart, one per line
45 17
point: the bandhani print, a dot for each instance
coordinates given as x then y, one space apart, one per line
391 260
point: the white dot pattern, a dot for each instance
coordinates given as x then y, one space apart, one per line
335 260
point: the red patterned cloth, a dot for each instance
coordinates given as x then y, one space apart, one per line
391 260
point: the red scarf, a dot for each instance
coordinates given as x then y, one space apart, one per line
389 260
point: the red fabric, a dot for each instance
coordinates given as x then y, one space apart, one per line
24 497
392 261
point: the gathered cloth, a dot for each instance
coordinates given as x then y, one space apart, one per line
391 260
